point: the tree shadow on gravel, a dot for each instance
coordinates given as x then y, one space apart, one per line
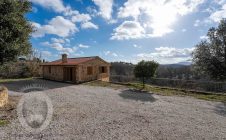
221 109
137 95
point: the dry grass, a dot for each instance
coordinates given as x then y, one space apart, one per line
8 112
166 91
12 80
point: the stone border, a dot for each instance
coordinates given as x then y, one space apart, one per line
3 96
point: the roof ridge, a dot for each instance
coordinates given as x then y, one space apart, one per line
73 61
83 57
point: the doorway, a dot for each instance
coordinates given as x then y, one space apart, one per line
69 74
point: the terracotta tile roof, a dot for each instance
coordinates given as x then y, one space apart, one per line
71 61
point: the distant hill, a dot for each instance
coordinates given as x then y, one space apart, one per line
177 65
186 63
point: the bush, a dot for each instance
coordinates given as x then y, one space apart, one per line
20 70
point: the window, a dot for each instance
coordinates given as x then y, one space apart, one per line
49 69
103 69
89 70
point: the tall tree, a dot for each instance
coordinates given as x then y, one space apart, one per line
15 29
145 70
209 57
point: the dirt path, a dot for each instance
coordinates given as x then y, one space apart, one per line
86 112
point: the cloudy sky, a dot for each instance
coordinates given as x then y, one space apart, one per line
123 30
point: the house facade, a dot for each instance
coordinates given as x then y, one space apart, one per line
76 70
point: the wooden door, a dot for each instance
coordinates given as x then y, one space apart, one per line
69 74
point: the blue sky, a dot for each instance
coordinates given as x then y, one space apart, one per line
123 30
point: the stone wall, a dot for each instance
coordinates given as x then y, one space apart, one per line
53 73
96 75
3 96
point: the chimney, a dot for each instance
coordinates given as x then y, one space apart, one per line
64 58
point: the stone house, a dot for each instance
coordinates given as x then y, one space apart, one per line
76 70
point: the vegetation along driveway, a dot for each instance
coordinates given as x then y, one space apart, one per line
92 112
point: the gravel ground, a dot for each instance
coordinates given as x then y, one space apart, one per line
86 112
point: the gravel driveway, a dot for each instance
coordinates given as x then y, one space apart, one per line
86 112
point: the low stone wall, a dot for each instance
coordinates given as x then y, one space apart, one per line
3 96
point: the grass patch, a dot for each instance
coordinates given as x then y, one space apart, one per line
16 79
3 122
165 91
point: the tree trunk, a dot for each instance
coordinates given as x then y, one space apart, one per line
225 55
224 41
143 83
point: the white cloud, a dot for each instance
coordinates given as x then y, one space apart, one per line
219 14
89 25
136 46
58 40
67 40
37 32
105 7
46 54
81 18
59 47
128 30
83 46
55 5
63 41
46 43
167 55
58 26
92 11
157 16
184 30
112 21
197 23
109 53
70 12
220 2
62 26
204 37
34 9
114 54
75 48
59 7
80 53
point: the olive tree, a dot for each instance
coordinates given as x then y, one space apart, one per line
145 70
15 29
209 56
